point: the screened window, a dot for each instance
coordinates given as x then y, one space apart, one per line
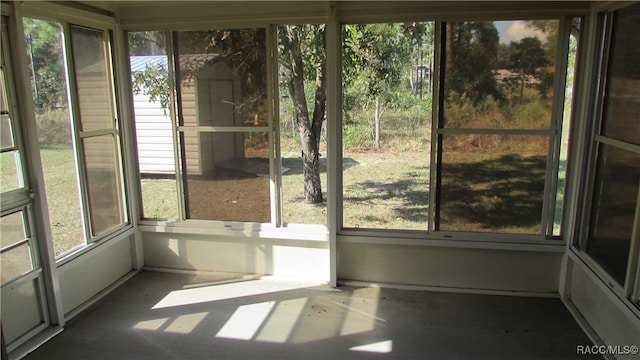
387 110
154 127
223 119
301 72
98 133
495 127
613 223
49 85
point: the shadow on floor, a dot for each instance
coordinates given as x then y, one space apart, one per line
174 316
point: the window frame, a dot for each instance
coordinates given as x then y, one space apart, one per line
596 139
554 132
68 18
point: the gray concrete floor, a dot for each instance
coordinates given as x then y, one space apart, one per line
175 316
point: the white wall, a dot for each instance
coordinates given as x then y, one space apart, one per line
248 255
468 268
88 275
608 316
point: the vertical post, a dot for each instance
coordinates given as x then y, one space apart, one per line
334 139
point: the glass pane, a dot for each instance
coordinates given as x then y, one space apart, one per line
154 132
49 88
103 183
227 176
492 183
10 178
613 210
622 102
499 74
303 187
12 229
223 77
15 262
566 125
92 79
6 136
387 125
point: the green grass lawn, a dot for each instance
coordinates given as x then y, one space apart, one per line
383 189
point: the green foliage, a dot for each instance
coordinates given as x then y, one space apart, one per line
44 50
54 128
472 53
356 136
147 43
154 82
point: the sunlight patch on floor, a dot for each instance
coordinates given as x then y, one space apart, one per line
151 325
227 291
245 321
381 347
361 314
184 324
282 321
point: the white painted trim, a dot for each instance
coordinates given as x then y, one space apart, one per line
98 245
466 244
50 10
94 299
30 345
267 231
625 306
464 131
224 128
584 325
34 165
333 88
445 289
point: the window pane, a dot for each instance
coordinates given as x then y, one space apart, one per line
303 187
15 262
613 210
103 183
223 77
154 132
622 102
6 135
227 176
10 178
12 229
499 74
92 79
49 88
387 125
574 39
496 185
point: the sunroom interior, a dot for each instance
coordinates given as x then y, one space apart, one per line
450 147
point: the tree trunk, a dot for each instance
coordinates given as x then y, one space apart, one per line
377 123
310 128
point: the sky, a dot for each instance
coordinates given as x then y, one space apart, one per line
515 31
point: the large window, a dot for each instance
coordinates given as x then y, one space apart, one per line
81 154
613 227
486 163
223 120
495 127
387 73
154 128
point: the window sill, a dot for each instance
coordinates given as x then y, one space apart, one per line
303 232
486 241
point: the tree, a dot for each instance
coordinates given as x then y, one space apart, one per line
44 51
471 58
527 60
302 56
376 56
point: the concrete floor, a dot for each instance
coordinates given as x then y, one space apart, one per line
174 316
